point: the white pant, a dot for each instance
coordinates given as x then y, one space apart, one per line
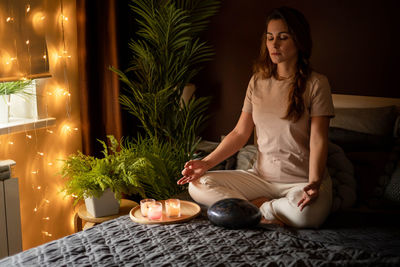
217 185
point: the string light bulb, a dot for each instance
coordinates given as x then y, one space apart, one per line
64 54
28 8
10 19
46 233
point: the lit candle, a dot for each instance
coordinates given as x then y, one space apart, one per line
155 211
144 205
173 207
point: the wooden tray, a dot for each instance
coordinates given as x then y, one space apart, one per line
189 210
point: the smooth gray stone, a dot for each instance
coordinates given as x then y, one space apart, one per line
234 213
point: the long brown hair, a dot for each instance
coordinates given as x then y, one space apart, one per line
300 31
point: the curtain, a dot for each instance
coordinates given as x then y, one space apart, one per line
99 87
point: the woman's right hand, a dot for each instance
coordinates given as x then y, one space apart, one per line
193 170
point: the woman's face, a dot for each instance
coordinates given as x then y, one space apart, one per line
280 44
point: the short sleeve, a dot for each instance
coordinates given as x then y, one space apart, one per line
321 98
248 103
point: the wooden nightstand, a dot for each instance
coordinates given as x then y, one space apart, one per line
83 215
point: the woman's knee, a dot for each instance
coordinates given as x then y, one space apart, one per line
199 190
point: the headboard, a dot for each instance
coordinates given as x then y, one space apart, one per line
356 101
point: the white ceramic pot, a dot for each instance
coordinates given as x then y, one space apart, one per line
4 108
106 205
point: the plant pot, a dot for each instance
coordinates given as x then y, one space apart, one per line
106 205
4 108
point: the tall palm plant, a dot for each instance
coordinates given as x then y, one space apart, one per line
167 54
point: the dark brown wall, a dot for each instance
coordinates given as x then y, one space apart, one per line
356 44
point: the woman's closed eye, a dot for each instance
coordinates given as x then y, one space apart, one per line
280 37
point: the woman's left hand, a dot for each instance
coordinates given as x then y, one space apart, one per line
310 193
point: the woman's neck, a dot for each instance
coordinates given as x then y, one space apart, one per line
286 70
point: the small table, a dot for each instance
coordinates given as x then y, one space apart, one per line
83 215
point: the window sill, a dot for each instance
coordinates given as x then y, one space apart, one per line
21 125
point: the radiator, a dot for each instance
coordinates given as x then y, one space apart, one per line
10 219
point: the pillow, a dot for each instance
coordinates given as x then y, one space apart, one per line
392 190
356 141
376 178
246 157
375 121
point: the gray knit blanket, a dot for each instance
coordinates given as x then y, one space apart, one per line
122 242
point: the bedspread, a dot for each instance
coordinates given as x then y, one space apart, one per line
122 242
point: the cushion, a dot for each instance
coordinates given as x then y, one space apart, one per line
376 177
376 121
350 140
392 190
246 157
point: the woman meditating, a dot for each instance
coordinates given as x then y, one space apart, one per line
290 106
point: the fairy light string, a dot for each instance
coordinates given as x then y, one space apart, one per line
40 162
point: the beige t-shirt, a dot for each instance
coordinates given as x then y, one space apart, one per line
283 146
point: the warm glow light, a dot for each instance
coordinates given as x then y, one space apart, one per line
10 19
39 187
49 131
50 163
27 42
40 153
35 172
29 136
66 129
46 218
37 18
64 54
28 8
10 142
61 92
64 17
35 209
46 233
7 59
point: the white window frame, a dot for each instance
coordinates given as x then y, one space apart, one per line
23 112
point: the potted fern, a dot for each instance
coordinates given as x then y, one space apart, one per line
100 181
6 90
166 55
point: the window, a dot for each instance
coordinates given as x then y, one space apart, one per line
23 55
19 112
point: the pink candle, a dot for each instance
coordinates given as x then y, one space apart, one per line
144 205
155 211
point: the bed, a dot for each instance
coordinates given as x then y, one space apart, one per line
363 228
